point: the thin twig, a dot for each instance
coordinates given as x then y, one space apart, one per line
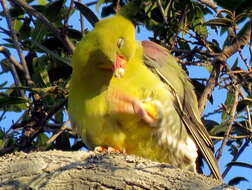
186 10
16 43
230 123
232 137
81 20
193 51
238 71
71 8
15 76
244 59
162 11
8 55
61 130
66 42
216 111
243 127
249 117
55 109
16 79
195 63
118 5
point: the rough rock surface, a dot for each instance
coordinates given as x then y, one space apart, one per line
54 170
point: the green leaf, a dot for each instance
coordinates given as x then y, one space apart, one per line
88 13
209 68
5 65
2 133
54 10
218 130
41 75
242 31
220 22
210 125
54 55
17 24
24 31
240 164
183 44
14 12
6 101
3 84
236 180
59 116
42 2
228 12
42 142
228 102
243 103
214 45
39 32
197 21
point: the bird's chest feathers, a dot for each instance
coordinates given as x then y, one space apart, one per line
107 124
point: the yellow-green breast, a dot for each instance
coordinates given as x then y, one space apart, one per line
90 114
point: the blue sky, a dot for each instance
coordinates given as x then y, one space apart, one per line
195 72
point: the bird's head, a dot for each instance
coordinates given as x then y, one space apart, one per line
115 43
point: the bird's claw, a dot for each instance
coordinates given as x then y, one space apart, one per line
102 149
149 111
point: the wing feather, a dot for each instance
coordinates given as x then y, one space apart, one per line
163 64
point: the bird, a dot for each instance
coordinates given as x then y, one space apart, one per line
133 97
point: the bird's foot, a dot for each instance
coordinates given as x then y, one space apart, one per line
148 110
102 149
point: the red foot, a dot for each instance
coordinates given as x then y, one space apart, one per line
102 149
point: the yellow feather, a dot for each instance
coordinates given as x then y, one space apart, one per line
109 110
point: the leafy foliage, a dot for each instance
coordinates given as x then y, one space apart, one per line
46 39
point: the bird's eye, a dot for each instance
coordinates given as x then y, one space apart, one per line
120 43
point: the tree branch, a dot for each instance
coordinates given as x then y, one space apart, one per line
232 137
162 11
218 65
8 55
61 130
66 42
230 123
13 70
16 43
212 81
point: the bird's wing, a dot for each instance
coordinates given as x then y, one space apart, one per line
163 64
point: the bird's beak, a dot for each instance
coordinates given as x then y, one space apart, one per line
119 66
